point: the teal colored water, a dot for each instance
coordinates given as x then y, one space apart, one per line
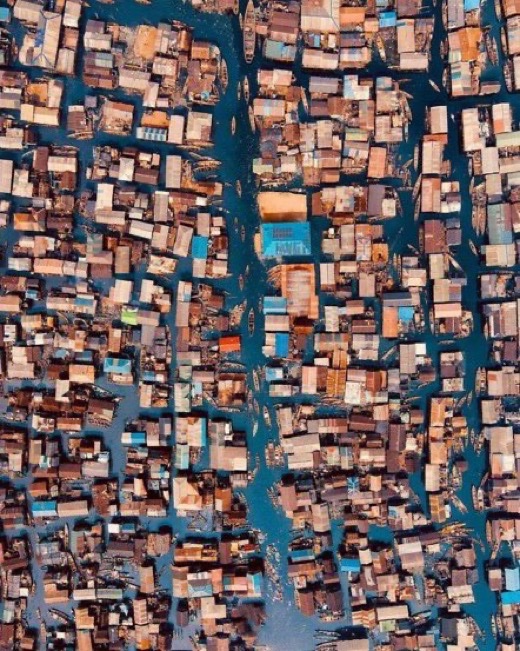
286 628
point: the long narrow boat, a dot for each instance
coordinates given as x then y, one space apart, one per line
251 119
267 416
224 75
245 88
249 32
251 321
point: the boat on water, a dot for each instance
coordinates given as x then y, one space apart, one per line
243 233
238 188
251 321
245 88
267 417
233 125
380 45
491 48
239 91
417 209
241 282
434 86
249 33
224 77
390 352
417 187
251 119
305 102
459 503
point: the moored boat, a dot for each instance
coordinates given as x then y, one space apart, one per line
245 88
305 102
251 321
251 119
380 45
249 32
224 77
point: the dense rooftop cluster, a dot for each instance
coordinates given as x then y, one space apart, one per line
259 334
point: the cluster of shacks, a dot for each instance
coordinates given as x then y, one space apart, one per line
387 397
99 339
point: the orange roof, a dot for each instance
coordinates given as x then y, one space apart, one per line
377 162
390 322
229 344
351 16
469 38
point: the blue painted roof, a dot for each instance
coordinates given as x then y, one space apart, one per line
273 373
350 565
83 301
510 598
299 555
137 438
285 239
275 305
46 506
405 313
116 365
256 582
387 19
512 576
199 248
204 590
281 346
